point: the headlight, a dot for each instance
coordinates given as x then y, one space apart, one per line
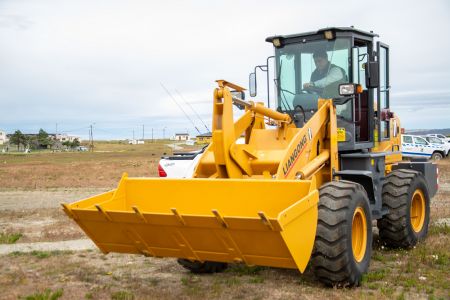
347 89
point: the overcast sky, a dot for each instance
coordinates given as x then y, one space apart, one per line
77 63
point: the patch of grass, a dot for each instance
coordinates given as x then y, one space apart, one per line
122 295
401 296
410 268
439 229
410 282
89 296
230 281
375 275
381 257
442 259
9 238
373 286
154 281
245 270
40 254
45 295
256 279
387 291
191 284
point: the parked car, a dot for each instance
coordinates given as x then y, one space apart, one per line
438 141
417 146
440 136
82 148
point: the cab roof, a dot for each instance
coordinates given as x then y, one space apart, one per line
321 31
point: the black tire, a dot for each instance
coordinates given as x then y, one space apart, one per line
437 156
198 267
396 228
333 261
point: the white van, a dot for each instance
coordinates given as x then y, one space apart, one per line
417 146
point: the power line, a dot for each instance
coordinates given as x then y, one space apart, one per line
181 108
198 116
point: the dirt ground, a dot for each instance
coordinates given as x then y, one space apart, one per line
32 187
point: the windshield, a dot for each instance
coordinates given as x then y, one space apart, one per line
308 70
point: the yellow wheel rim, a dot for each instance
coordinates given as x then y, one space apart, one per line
359 234
417 210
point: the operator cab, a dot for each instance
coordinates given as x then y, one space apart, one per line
314 65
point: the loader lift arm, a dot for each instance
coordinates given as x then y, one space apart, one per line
285 152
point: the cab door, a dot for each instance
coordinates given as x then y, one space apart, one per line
407 145
383 92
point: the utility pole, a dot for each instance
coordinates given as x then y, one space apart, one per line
133 135
56 132
152 135
143 131
164 133
91 139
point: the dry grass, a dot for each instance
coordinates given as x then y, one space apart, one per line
101 168
422 272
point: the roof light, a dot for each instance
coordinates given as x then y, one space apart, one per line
329 35
276 42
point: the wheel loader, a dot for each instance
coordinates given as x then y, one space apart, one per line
303 189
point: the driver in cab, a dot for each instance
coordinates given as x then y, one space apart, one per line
325 73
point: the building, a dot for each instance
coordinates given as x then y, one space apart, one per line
63 137
181 136
3 138
204 138
136 142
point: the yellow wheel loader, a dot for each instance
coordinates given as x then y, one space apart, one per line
304 186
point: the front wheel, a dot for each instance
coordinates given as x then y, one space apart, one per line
343 245
437 156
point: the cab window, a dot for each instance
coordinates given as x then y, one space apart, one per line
420 141
407 139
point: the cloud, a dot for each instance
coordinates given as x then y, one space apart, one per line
15 22
80 62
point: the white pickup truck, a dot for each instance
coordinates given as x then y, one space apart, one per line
440 142
180 164
417 146
440 136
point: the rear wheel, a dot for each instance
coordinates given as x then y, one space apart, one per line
405 194
343 245
202 267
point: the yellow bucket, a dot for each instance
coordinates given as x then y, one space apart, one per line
257 222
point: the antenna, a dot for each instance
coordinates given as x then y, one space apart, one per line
198 116
187 116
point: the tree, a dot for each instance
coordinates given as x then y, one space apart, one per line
18 138
43 139
75 143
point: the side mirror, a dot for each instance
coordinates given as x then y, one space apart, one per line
252 84
372 75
